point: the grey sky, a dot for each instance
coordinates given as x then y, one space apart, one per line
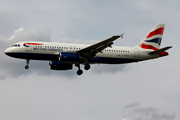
145 90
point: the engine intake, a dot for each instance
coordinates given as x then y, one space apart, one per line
54 65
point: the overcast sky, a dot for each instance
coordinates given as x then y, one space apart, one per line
146 90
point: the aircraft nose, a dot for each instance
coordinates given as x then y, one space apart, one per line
10 52
7 51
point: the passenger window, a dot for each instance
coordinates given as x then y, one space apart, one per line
18 45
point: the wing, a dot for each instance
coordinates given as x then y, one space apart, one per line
91 51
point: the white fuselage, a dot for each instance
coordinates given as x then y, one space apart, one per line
50 51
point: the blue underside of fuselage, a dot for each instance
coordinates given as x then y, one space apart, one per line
50 57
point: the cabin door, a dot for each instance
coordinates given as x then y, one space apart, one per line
136 52
28 46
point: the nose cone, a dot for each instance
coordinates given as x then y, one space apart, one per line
12 52
8 51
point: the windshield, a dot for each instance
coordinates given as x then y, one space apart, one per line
16 45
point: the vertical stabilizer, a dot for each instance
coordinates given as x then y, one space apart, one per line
153 39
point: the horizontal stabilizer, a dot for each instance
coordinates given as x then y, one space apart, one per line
160 50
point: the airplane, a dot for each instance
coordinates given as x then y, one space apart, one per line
62 56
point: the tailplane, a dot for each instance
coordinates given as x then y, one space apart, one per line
153 39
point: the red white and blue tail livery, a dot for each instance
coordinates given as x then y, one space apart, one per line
153 39
62 56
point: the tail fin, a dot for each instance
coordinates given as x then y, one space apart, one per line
153 39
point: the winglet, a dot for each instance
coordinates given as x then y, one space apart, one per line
116 36
121 35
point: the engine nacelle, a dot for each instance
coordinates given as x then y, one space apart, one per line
69 57
54 65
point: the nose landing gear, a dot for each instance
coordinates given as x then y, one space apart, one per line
27 66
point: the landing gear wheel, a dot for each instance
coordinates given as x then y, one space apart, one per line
26 67
87 67
79 72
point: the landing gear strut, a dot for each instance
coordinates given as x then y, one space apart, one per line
79 72
27 66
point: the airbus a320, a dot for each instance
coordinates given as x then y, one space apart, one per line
62 56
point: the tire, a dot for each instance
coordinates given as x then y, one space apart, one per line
26 67
79 72
87 67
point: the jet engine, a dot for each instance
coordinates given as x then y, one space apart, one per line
69 57
54 65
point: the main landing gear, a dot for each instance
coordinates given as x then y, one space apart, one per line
87 67
80 72
27 66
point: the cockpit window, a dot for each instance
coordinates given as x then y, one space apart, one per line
16 45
